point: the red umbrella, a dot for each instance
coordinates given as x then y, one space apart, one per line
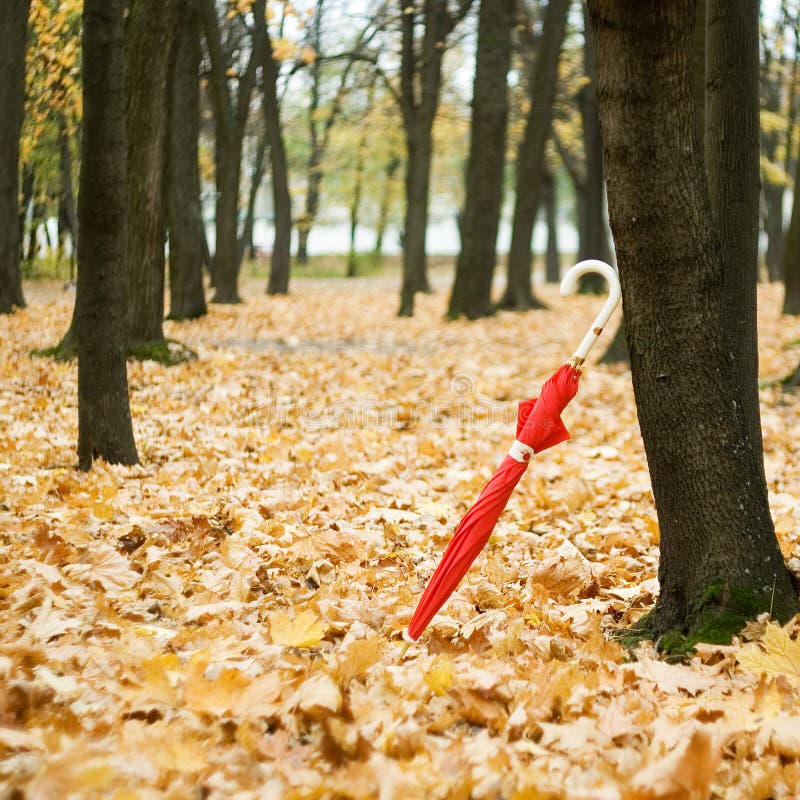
539 426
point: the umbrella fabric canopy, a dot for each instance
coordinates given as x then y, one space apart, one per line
539 426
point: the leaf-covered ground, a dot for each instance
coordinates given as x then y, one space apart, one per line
225 620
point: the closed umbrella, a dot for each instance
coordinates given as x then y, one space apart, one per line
539 426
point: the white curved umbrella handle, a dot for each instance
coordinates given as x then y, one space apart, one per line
614 293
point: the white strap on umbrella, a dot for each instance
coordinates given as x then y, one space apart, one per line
568 285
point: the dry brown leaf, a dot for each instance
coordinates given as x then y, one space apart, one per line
684 774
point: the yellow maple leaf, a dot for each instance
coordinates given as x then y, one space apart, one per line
305 630
776 654
439 677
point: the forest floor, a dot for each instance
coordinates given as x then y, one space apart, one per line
225 619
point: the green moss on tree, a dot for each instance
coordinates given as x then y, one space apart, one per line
166 351
721 614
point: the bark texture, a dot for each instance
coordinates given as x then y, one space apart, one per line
720 560
530 157
280 262
150 33
699 73
13 30
472 289
104 418
186 295
733 169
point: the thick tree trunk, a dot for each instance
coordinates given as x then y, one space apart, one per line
720 560
186 295
472 288
791 253
734 179
13 30
530 157
699 73
552 261
104 417
150 33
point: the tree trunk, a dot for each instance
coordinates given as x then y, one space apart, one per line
552 261
734 179
246 244
28 185
281 199
530 157
13 31
186 295
228 179
472 288
596 244
150 32
355 202
773 227
423 70
104 417
230 116
720 561
617 351
791 253
314 165
67 191
418 170
386 200
699 73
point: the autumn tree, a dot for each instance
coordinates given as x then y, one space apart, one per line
51 126
185 221
232 81
281 199
529 165
104 417
13 27
420 85
150 34
689 307
472 288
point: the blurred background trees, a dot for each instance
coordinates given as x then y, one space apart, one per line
305 137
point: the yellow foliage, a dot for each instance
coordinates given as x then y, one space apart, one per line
776 654
439 677
304 630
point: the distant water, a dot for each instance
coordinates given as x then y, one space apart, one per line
442 238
